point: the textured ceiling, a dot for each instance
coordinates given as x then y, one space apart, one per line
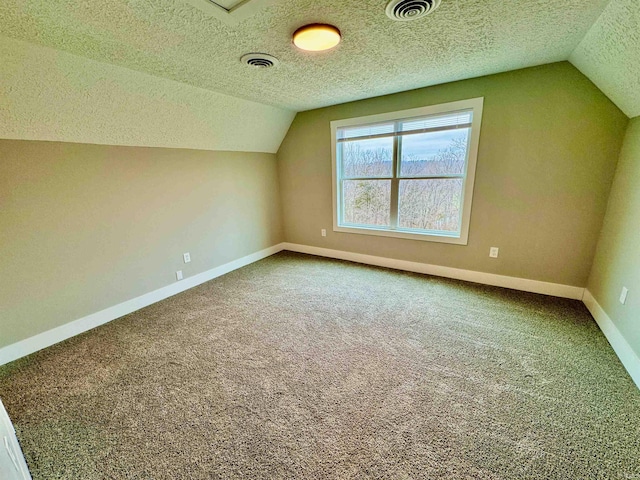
610 54
172 39
46 94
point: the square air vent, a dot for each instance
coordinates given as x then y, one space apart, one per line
227 4
231 11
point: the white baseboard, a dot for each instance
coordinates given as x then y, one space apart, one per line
68 330
623 350
535 286
55 335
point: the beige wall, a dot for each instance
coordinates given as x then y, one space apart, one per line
85 227
617 261
548 150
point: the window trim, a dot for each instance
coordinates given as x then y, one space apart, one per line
475 104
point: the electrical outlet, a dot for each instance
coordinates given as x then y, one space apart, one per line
187 257
179 275
323 232
493 252
623 295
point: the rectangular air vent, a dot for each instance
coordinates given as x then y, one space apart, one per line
231 11
227 4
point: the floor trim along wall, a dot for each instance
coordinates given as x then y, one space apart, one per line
534 286
30 345
623 350
51 337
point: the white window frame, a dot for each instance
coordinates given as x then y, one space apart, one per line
475 104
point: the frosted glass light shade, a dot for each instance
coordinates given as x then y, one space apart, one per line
316 37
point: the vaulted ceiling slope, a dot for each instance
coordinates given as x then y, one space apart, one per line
610 54
175 40
47 94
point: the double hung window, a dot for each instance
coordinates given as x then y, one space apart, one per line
407 174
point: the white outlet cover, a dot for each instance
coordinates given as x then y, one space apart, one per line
187 257
323 232
179 275
623 295
493 252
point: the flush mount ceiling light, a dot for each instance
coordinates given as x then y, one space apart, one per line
316 37
404 10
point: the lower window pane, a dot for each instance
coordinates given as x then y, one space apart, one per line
366 202
430 204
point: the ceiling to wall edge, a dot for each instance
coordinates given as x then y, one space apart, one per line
251 7
247 8
279 120
586 74
629 110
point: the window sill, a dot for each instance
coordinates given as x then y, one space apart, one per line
425 237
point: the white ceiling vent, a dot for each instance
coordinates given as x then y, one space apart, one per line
410 9
259 60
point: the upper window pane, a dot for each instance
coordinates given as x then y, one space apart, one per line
366 130
367 158
434 153
442 121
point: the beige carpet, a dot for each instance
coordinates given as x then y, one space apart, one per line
298 367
